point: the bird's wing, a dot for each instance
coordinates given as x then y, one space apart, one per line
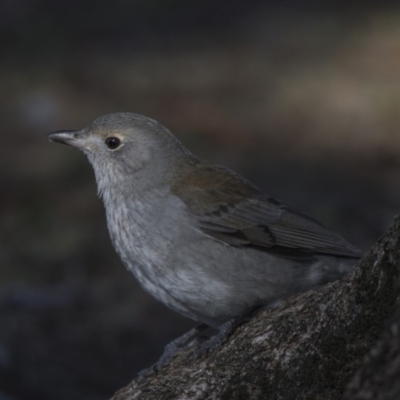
232 211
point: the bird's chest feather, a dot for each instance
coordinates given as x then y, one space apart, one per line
139 231
159 243
146 232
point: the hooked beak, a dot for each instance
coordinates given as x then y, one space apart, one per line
72 138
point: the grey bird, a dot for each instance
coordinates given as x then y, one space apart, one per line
198 237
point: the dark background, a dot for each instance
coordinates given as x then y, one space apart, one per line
302 100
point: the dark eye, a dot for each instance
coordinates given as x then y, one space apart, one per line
113 143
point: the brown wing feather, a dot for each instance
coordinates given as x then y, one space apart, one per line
234 212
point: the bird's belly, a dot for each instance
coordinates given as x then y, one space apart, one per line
198 276
175 268
181 282
151 247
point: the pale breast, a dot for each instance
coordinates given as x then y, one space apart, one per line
144 234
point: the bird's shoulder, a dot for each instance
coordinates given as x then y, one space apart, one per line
205 187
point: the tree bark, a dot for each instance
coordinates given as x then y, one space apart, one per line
338 342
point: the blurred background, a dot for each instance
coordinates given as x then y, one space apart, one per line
302 100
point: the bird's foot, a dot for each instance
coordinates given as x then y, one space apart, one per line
173 348
193 338
220 337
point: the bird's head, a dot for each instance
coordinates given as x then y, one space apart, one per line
123 144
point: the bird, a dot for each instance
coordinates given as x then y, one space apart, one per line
197 236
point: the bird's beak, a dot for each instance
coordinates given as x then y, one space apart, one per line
72 138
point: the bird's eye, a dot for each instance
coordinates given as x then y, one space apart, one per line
113 143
